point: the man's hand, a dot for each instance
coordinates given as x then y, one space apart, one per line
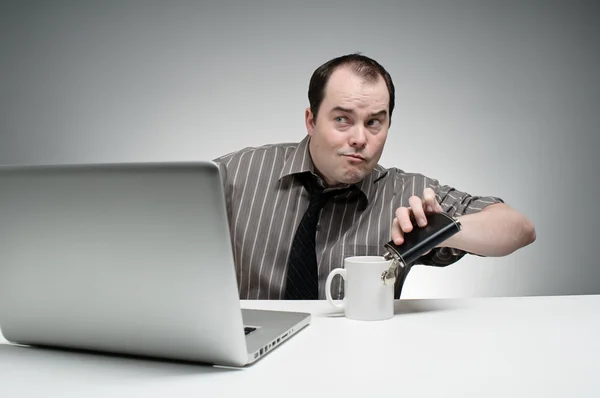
419 209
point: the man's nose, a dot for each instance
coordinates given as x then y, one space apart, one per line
358 139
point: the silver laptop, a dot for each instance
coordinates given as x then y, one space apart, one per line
131 259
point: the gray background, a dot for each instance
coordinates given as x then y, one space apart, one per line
506 90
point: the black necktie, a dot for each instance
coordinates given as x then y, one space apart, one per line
302 275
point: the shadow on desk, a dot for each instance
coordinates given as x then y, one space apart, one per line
410 306
416 306
102 365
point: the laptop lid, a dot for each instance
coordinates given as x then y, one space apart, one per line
124 258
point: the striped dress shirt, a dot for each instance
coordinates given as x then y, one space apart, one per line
265 204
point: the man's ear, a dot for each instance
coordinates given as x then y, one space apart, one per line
310 121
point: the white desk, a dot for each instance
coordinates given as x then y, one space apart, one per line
493 347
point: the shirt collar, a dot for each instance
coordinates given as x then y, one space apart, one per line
299 161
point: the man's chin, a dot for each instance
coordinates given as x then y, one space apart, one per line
352 177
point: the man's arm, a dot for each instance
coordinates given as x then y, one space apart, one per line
490 227
497 230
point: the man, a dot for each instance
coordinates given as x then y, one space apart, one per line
285 245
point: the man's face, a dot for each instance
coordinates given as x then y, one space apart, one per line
348 136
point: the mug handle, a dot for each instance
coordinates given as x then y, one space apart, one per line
332 274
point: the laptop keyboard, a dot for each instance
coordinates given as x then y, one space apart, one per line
248 330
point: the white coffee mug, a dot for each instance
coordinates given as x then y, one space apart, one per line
366 297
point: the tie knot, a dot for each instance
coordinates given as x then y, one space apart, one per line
311 184
318 196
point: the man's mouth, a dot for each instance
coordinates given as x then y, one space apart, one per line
355 156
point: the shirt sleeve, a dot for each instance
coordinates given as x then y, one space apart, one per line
224 162
454 203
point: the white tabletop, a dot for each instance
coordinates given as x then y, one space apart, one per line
487 347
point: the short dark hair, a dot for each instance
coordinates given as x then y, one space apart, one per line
365 67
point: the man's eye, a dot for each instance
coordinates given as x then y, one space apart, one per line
374 122
340 119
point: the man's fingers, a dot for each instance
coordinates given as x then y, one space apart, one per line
403 216
397 234
419 208
416 206
430 202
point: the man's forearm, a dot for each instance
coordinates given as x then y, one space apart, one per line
495 231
